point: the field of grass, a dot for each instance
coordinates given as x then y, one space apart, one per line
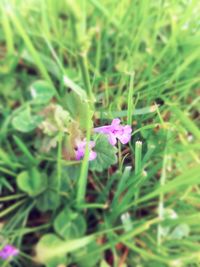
67 67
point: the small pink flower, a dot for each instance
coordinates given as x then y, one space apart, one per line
81 147
116 131
8 251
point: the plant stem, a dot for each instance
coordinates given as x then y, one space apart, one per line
130 99
83 63
82 182
138 157
81 57
59 159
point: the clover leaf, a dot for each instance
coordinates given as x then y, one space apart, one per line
69 224
25 122
32 182
106 154
42 92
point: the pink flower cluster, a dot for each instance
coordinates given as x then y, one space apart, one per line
81 147
115 131
8 251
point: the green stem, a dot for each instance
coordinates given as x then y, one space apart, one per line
12 197
161 196
8 32
161 202
82 183
59 159
94 206
138 163
11 208
138 157
82 58
30 46
4 170
83 63
130 100
119 154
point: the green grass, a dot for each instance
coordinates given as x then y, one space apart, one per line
135 60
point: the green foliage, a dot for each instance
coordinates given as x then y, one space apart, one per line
47 244
106 154
78 108
42 92
88 256
52 250
24 149
181 231
32 182
25 122
49 199
69 66
69 225
55 119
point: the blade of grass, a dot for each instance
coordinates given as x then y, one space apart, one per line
186 121
130 100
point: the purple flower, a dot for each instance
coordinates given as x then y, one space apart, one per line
81 147
116 131
8 251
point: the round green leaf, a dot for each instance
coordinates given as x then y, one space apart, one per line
106 154
88 256
46 245
25 122
69 224
32 182
78 108
181 231
48 200
50 249
42 92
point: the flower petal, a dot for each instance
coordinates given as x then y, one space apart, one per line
112 139
103 129
81 147
125 138
92 155
116 131
8 251
127 129
115 122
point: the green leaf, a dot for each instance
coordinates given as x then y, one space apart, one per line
50 198
75 88
51 248
106 154
5 158
42 92
4 183
88 256
25 122
24 149
44 251
181 231
78 108
186 121
69 224
32 182
70 174
119 114
104 264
